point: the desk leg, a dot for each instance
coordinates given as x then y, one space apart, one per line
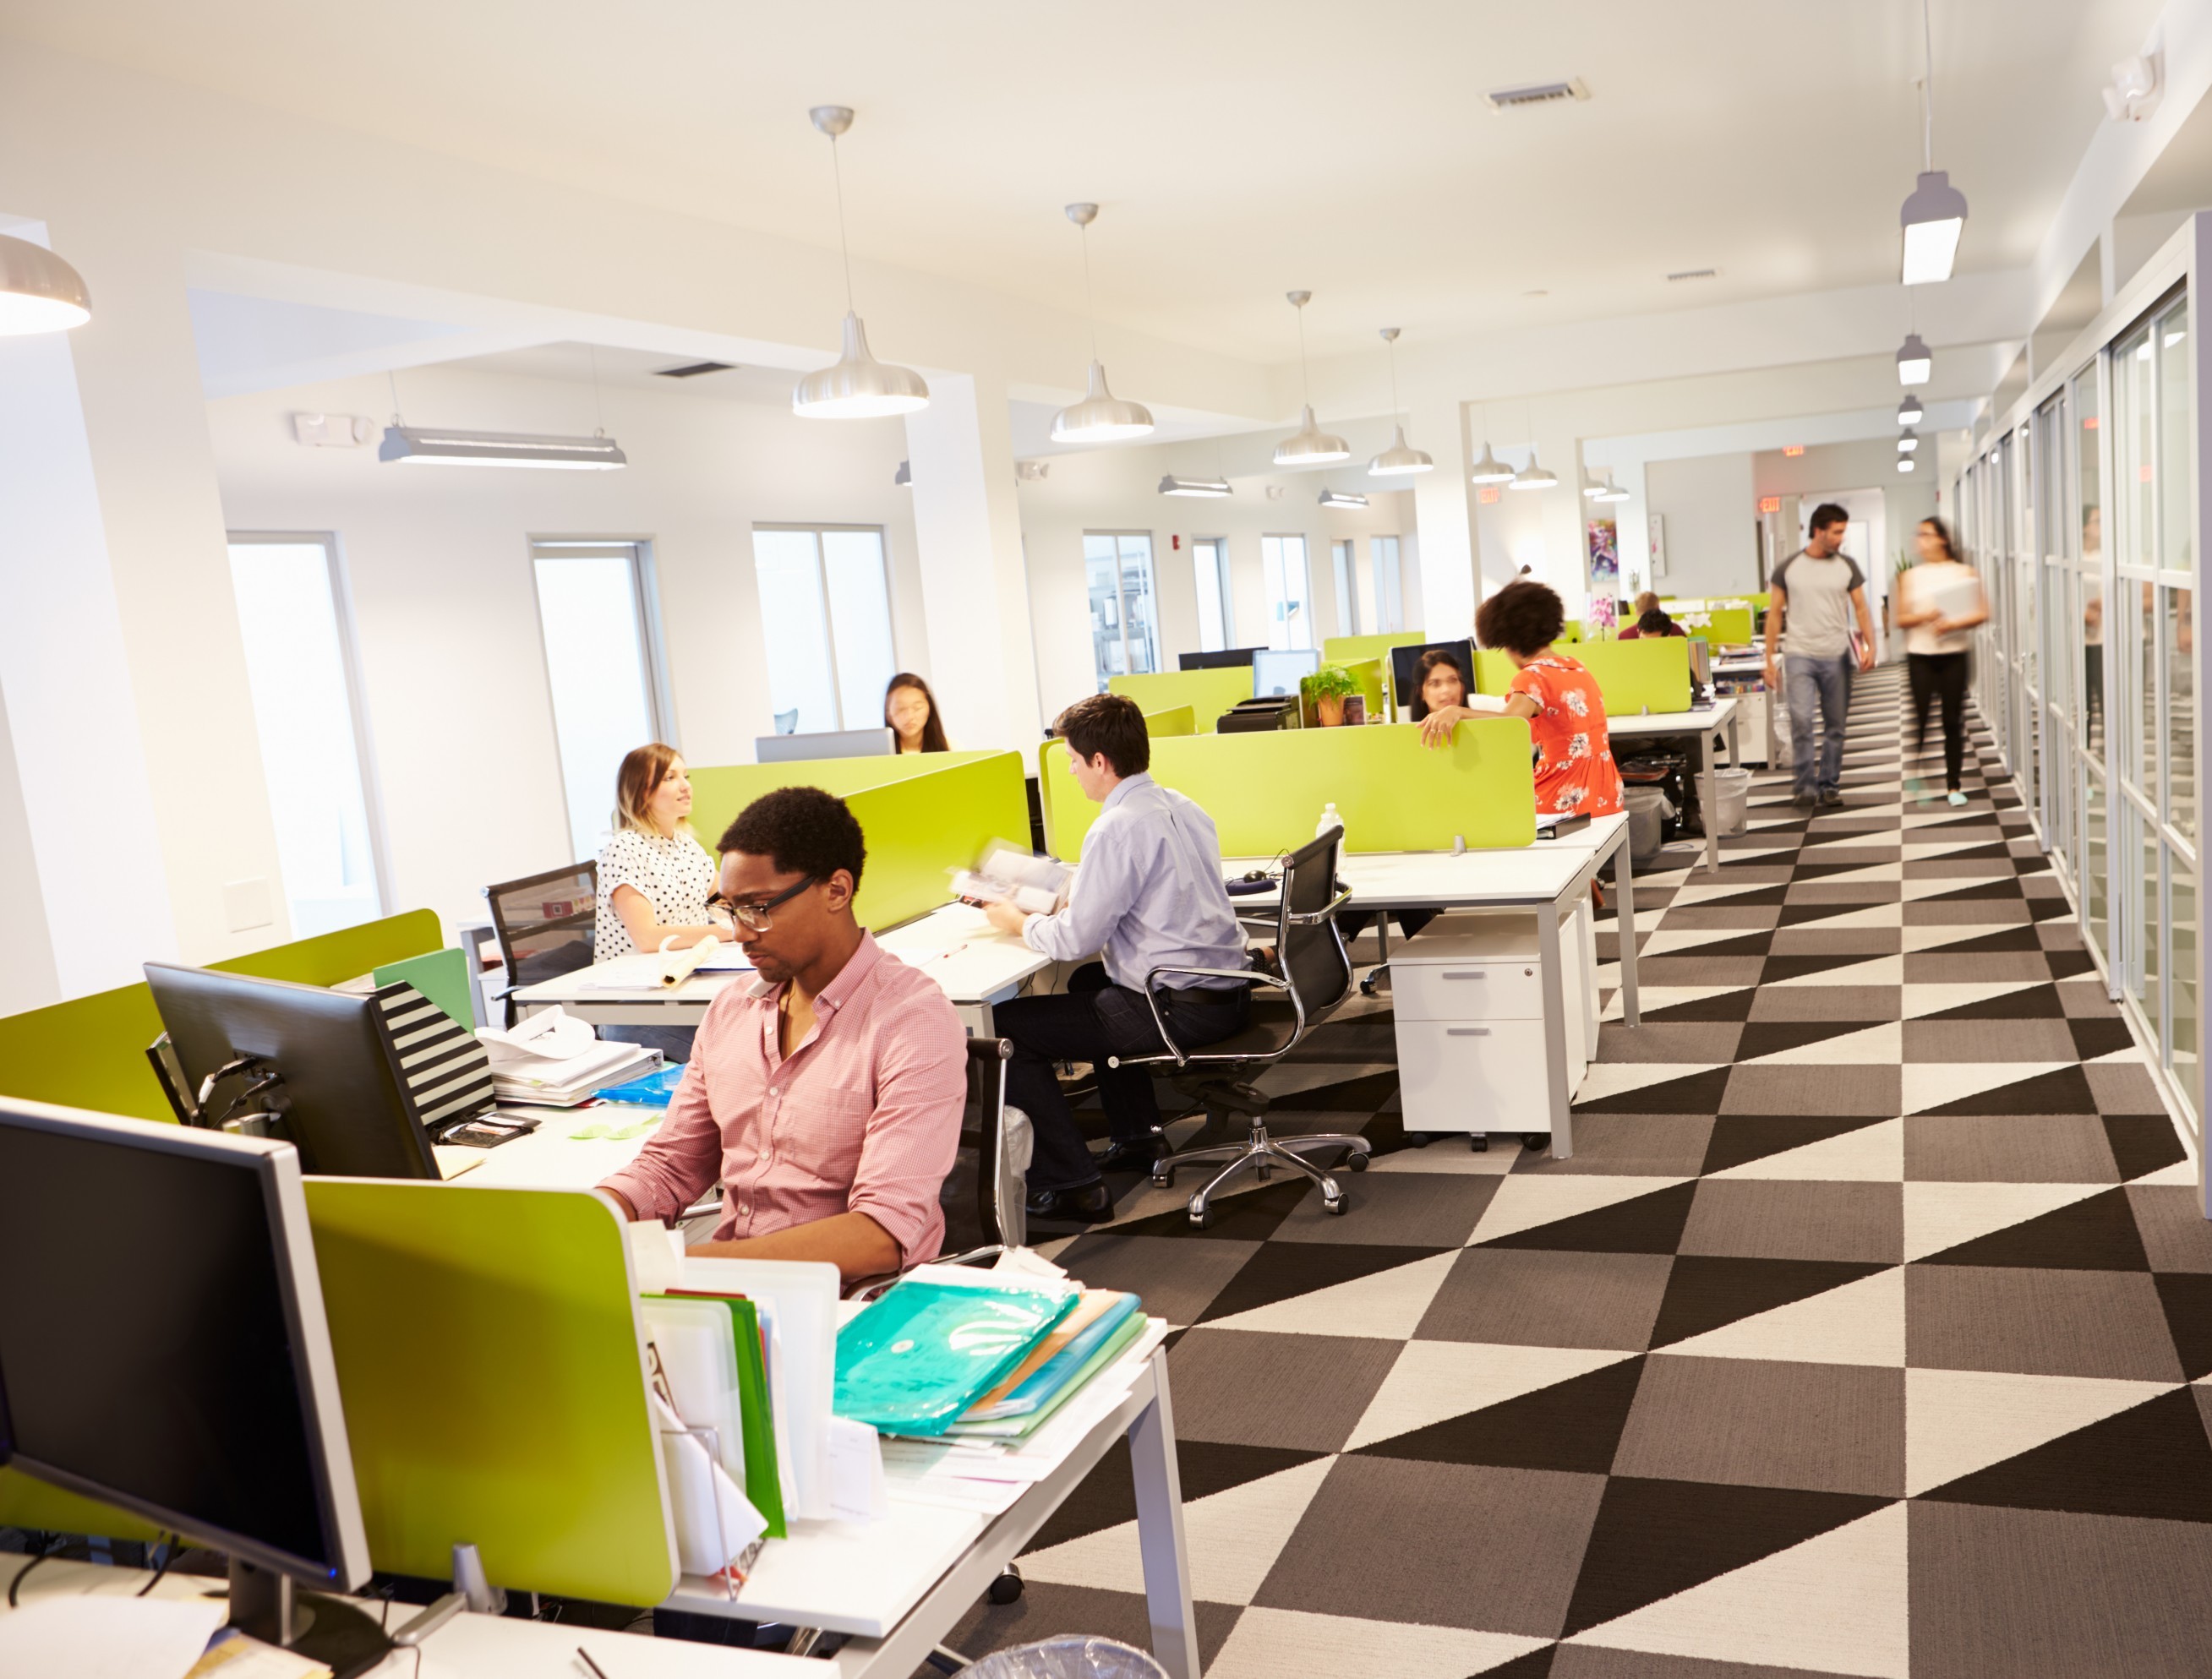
1553 970
1735 743
1159 1529
1624 882
1712 802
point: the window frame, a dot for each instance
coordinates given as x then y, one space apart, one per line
817 530
1226 593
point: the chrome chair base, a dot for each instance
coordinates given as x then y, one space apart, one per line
1263 1154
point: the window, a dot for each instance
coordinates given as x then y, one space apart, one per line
594 609
1217 615
1290 617
826 623
1389 587
1347 586
1125 635
301 670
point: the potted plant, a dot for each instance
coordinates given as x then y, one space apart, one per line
1327 689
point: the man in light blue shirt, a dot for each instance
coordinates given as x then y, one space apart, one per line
1147 895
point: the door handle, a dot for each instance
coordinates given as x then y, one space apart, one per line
1467 1032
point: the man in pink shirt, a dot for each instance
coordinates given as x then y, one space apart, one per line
826 1097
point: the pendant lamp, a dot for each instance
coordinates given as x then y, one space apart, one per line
1100 416
1535 475
1610 491
39 291
1909 411
1935 213
1308 446
1914 361
856 386
1399 460
1490 470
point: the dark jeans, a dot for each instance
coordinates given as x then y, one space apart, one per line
1944 675
1353 924
1093 1019
1826 682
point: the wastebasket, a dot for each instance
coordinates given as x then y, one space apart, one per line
1648 811
1068 1659
1735 800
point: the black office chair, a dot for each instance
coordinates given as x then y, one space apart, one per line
546 925
1315 977
983 1195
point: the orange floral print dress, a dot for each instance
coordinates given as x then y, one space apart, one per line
1574 771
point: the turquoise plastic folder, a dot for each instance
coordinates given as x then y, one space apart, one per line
920 1356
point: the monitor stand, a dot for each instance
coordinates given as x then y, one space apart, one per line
266 1605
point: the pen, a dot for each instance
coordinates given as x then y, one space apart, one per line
585 1657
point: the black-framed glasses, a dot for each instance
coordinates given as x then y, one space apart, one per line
756 917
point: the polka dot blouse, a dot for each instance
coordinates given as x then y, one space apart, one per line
672 870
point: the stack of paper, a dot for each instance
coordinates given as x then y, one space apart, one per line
1012 873
547 1059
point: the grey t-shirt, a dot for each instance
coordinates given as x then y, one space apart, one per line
1816 607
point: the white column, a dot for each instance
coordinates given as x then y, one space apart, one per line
974 583
1444 506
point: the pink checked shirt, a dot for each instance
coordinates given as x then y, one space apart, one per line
863 1116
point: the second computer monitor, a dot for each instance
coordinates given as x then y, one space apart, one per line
1222 658
1277 669
828 743
1404 664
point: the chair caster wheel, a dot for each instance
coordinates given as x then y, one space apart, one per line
1356 1161
1007 1587
1367 986
1478 1141
1334 1209
1164 1180
1536 1141
1201 1217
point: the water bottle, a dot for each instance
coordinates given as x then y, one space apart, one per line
1330 819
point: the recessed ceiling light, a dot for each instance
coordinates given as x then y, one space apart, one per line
1214 488
1330 498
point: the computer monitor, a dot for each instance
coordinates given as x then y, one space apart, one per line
178 1368
347 1106
1405 686
1277 670
1222 658
828 743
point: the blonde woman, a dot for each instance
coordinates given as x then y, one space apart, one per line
654 878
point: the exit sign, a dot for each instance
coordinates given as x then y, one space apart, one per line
1793 450
1769 504
1486 495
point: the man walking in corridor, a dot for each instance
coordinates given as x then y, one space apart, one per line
1817 590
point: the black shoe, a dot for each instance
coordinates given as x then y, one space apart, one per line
1078 1206
1132 1156
1832 797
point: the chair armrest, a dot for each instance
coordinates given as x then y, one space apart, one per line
1252 976
869 1287
1343 897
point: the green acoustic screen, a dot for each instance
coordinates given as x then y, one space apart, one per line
1266 791
1632 677
489 1351
1207 692
1175 720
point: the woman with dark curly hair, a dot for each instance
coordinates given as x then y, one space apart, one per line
1574 771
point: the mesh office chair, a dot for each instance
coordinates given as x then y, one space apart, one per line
1315 978
982 1197
544 924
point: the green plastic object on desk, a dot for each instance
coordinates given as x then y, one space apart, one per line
915 1360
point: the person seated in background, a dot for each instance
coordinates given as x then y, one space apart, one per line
1574 771
1148 894
654 879
1654 623
1437 681
910 714
825 1097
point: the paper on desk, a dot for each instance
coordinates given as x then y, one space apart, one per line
101 1637
551 1034
656 1255
233 1655
856 1472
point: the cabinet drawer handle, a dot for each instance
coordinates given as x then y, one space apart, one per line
1468 974
1467 1032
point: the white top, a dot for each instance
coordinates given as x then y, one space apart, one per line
1148 893
672 870
1944 586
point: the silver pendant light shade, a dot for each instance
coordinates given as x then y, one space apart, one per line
1609 491
1100 416
1490 470
39 291
856 386
1535 475
1400 459
1309 446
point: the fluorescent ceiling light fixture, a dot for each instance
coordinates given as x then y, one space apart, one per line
443 445
39 291
1490 470
1905 462
1909 412
1100 416
1308 446
1908 443
1609 491
1933 217
1330 498
856 386
1400 459
1212 488
1914 361
903 478
1535 475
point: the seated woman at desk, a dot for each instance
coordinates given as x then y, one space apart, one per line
825 1098
654 879
910 714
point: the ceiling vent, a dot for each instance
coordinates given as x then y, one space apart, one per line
1537 93
693 369
1693 274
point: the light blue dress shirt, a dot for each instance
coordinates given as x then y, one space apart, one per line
1148 893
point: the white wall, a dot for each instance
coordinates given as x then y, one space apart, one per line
438 566
1710 507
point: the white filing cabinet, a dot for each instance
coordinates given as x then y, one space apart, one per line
1468 994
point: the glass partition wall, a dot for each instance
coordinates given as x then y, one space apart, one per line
2080 507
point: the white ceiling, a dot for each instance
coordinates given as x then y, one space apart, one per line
1239 148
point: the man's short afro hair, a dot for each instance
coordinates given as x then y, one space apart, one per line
802 830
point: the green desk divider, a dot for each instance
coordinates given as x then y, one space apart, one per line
1728 625
489 1348
923 814
90 1052
1265 790
1207 692
443 976
1630 675
1176 720
31 1503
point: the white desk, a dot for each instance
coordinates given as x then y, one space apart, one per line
1704 725
1551 876
1764 713
954 944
